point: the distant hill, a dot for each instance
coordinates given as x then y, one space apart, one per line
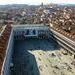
17 6
13 6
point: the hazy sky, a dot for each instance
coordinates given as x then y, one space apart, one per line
36 2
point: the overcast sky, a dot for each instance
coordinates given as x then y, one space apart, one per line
36 2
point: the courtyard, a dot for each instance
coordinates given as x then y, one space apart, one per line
41 57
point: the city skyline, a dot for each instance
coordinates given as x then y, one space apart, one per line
36 2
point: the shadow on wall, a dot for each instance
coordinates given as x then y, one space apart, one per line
24 63
33 45
38 44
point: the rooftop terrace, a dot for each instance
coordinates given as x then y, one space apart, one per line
41 57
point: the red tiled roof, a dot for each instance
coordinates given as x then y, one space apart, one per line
67 34
3 43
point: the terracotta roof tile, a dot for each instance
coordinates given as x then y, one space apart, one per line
3 43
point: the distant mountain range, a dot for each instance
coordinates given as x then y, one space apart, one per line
16 6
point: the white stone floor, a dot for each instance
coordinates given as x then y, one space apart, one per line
57 62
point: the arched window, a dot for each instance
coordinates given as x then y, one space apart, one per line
34 32
27 32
